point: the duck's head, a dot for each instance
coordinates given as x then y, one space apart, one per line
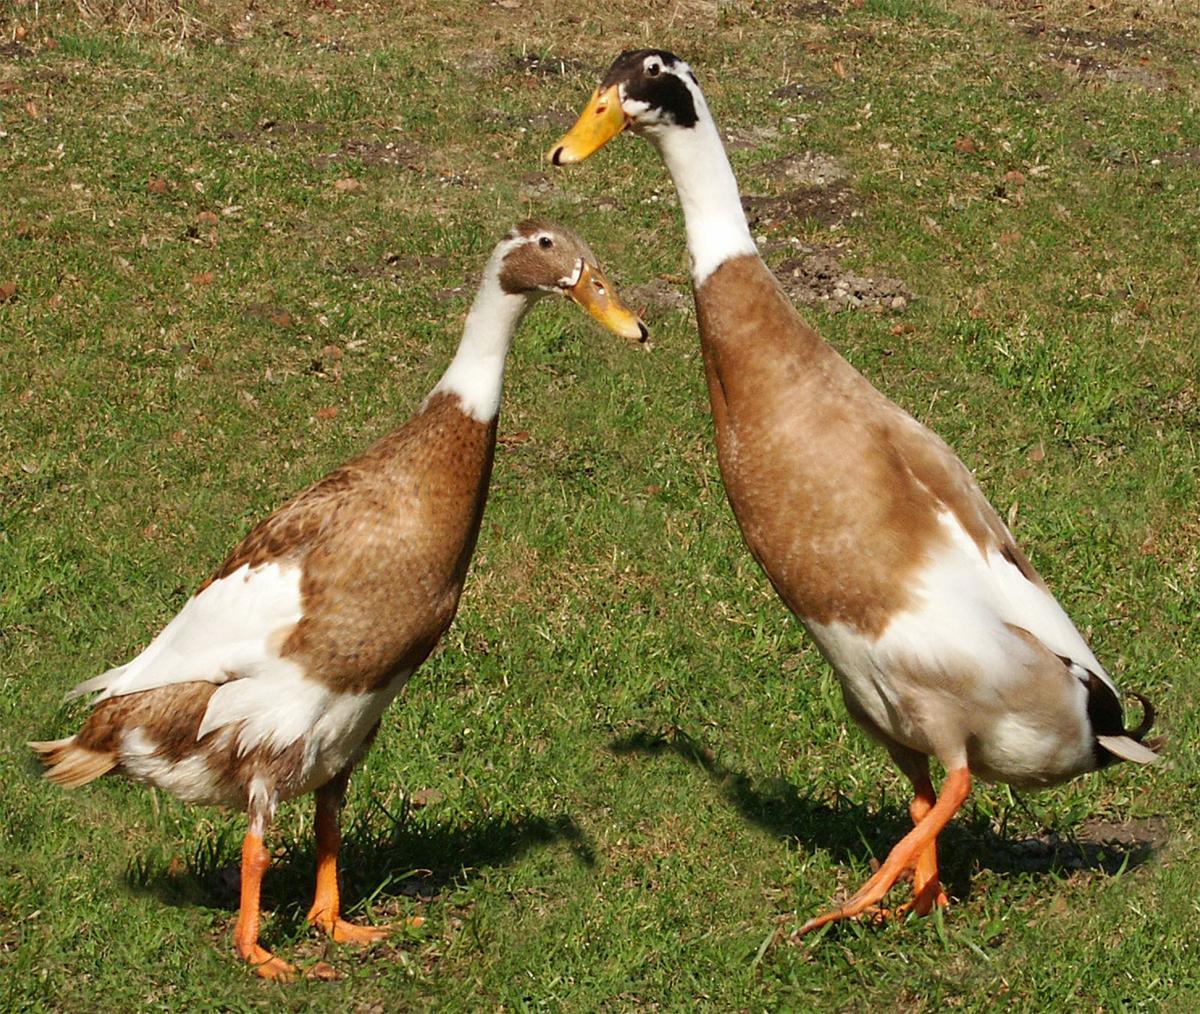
539 257
648 91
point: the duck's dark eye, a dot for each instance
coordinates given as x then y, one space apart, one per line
545 242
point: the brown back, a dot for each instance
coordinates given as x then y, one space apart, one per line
384 542
836 489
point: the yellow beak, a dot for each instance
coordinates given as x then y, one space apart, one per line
594 294
601 121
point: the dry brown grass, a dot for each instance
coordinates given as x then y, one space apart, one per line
173 21
1108 15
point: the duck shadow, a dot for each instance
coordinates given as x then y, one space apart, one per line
383 860
850 831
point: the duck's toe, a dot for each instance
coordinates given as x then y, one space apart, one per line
342 932
266 965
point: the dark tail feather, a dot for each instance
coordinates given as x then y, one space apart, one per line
1132 745
1147 718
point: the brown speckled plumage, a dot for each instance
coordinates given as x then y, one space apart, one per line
805 443
384 541
945 640
270 681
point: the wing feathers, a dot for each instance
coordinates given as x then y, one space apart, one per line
228 630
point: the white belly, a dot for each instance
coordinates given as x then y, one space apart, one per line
296 735
337 736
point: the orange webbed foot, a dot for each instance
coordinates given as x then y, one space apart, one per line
342 932
266 965
926 901
916 851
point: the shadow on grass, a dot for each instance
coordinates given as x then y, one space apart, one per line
849 831
380 859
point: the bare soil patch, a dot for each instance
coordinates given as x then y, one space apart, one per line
396 266
549 65
658 296
746 138
799 90
814 187
271 313
806 185
814 9
374 153
827 205
268 129
1189 156
806 168
814 276
1096 845
1121 56
1078 39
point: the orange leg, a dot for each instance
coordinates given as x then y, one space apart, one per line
927 889
915 851
326 906
245 937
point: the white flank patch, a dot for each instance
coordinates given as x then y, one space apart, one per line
221 634
1027 605
191 779
277 709
476 374
342 727
708 191
967 600
958 628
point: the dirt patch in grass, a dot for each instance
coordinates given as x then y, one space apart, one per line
798 90
1096 845
395 266
1112 16
551 120
1190 156
747 138
1077 39
806 168
1121 56
373 153
814 9
549 65
805 186
826 205
812 187
1083 65
537 184
271 313
659 296
268 129
815 276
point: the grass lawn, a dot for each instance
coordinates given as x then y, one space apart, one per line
237 242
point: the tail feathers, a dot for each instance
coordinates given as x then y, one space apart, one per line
71 765
1132 744
1128 749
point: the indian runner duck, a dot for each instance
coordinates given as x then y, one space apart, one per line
946 641
271 680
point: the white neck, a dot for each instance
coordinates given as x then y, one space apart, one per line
476 374
708 192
